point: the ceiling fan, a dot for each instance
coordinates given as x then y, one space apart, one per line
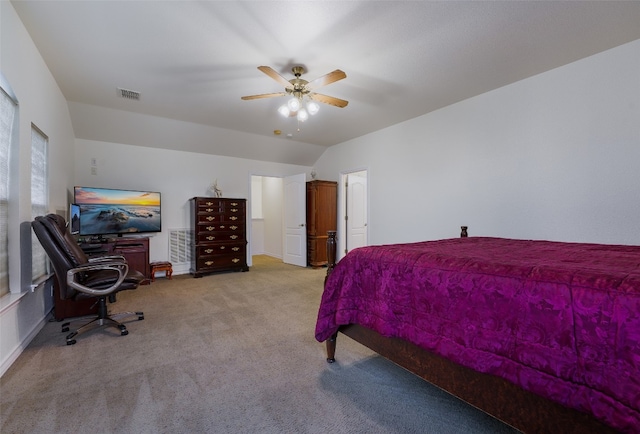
299 88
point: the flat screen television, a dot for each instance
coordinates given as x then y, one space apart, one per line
108 211
74 219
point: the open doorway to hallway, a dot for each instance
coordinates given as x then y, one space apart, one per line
278 218
266 216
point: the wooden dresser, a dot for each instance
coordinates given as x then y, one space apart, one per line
219 235
322 203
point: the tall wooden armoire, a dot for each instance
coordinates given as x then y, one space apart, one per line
322 215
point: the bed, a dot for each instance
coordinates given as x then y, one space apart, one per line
543 335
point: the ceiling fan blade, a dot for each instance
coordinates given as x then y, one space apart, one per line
277 77
331 100
264 95
326 79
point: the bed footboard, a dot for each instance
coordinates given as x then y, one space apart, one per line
501 399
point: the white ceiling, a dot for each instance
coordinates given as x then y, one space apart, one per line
193 60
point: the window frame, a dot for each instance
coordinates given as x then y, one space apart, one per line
8 144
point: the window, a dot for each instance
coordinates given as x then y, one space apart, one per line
8 109
39 199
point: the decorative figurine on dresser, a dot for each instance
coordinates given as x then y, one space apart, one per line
219 235
322 203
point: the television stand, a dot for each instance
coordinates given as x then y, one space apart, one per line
134 250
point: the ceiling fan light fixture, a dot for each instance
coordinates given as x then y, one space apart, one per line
303 115
303 101
284 110
294 104
313 108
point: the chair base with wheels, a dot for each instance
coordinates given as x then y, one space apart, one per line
103 320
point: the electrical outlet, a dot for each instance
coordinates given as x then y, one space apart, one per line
94 170
94 163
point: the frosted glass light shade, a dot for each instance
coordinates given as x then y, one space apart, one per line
293 104
302 115
312 108
284 110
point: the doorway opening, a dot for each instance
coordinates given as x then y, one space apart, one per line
278 213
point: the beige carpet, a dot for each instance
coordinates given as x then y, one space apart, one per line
226 353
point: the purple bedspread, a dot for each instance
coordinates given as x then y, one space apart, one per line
559 319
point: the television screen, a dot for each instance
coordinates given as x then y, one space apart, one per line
74 219
105 211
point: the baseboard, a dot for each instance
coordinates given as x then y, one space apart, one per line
20 347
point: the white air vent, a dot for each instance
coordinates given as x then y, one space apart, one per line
180 241
129 94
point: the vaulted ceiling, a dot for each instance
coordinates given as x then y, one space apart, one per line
192 60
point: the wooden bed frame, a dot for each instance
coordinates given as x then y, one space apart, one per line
500 398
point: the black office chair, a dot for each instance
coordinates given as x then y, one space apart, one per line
81 277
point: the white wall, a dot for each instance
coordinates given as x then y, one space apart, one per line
555 157
177 175
23 313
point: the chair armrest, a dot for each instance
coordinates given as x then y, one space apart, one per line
107 258
117 266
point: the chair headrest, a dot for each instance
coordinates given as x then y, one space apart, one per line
57 229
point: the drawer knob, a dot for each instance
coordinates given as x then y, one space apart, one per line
233 237
210 228
209 203
234 209
208 250
235 249
234 227
233 218
210 218
210 238
209 263
209 209
235 260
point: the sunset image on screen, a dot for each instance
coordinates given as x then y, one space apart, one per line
85 195
112 211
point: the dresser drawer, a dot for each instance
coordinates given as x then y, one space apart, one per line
215 237
221 249
220 205
220 217
220 261
224 227
209 208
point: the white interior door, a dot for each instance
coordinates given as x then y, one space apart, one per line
295 219
356 209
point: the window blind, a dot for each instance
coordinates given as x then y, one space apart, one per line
39 198
8 109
